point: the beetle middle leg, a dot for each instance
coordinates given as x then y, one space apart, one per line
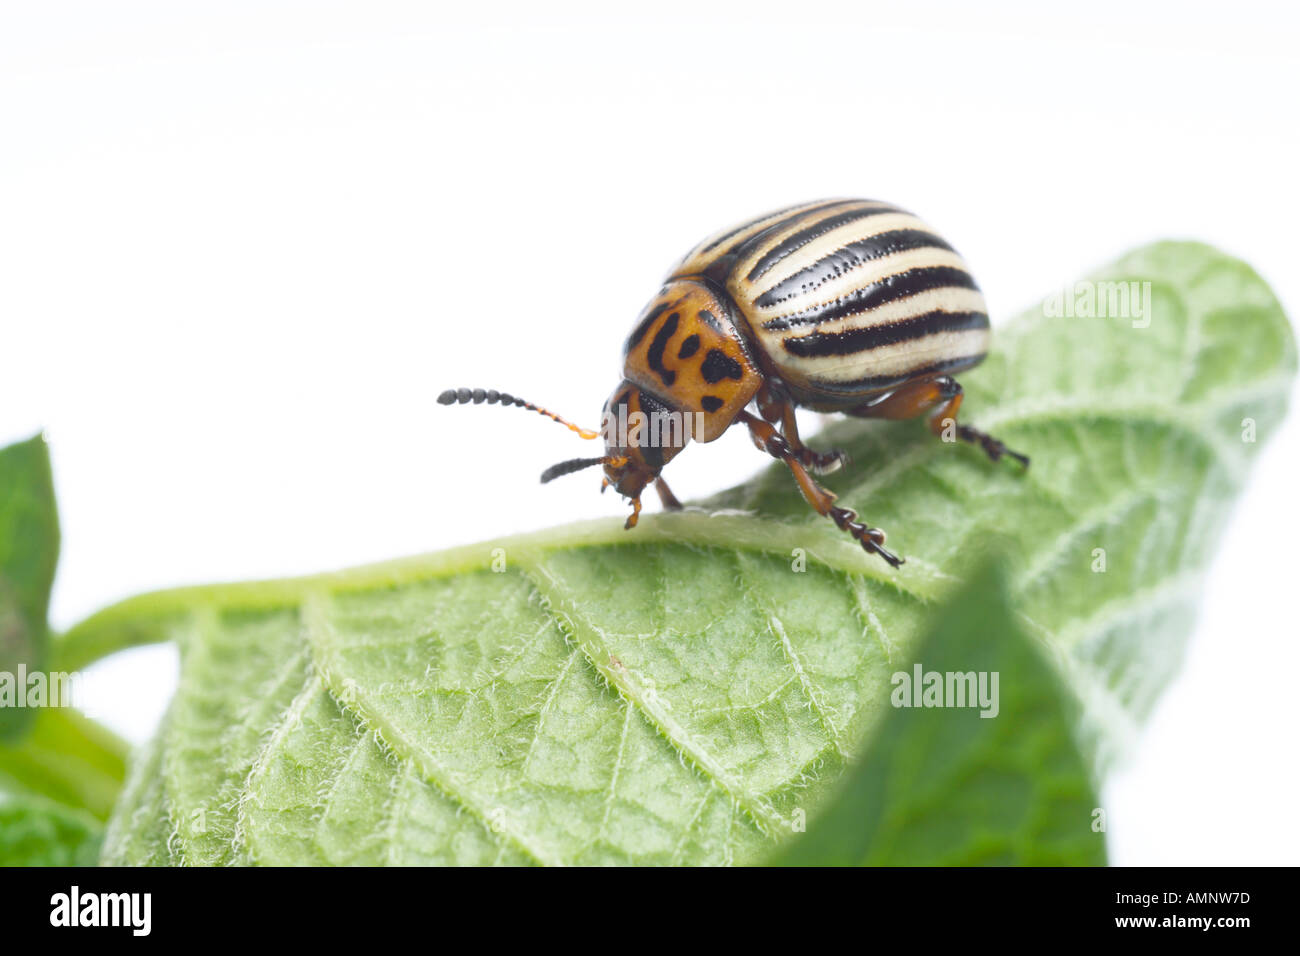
939 398
775 406
768 439
666 496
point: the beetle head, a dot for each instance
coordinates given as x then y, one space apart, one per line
642 434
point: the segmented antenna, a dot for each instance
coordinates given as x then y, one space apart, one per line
477 396
577 464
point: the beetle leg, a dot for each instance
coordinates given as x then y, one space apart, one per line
767 439
821 462
940 398
666 496
774 406
630 523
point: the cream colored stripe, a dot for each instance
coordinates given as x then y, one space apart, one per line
834 240
892 359
864 275
754 227
771 242
949 299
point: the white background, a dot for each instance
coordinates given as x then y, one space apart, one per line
243 245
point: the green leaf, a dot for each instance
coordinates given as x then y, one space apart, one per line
29 551
68 759
59 772
36 833
967 786
681 693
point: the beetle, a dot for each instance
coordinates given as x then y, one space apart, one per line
843 305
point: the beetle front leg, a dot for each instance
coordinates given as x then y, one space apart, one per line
775 406
767 439
631 521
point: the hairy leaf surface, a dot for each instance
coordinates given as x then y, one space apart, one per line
992 777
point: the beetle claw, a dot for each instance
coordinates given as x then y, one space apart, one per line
825 463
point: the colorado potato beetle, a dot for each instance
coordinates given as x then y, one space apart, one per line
845 305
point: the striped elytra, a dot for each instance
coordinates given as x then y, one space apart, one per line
845 298
845 305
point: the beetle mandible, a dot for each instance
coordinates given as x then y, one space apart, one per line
844 305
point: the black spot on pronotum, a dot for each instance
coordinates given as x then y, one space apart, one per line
654 410
711 403
690 345
644 326
717 365
711 320
655 354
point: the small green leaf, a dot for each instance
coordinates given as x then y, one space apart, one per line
37 833
29 551
1002 784
65 758
676 694
59 772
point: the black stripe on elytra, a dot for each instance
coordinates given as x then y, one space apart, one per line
655 355
717 365
848 257
711 403
690 345
873 383
796 241
643 326
822 344
889 289
751 223
746 246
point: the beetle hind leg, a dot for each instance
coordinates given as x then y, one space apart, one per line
939 398
823 501
946 417
993 447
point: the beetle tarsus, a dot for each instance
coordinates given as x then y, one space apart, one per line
993 447
823 462
871 539
823 501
